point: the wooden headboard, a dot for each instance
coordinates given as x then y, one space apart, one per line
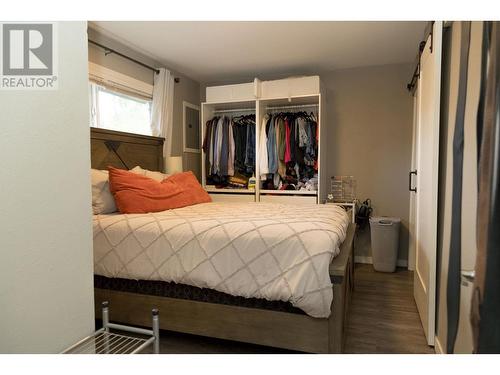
125 150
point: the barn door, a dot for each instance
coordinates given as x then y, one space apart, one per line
424 181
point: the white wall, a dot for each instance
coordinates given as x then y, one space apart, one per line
46 270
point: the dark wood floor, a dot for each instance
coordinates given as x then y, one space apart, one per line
383 319
383 316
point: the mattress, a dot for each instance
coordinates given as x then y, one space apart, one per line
269 251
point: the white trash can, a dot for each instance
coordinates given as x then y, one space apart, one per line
385 242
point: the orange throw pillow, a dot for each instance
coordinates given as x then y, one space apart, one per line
137 194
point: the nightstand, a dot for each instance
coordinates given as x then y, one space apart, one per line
347 205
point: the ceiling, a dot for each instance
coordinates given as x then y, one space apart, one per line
217 52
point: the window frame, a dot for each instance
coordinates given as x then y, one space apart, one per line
118 84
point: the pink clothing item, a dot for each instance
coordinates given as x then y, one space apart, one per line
288 155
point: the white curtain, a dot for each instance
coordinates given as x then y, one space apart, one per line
162 109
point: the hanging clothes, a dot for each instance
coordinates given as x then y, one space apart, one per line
250 146
288 147
293 139
230 161
288 156
206 144
229 147
224 147
218 146
263 162
272 156
212 144
240 144
280 141
303 134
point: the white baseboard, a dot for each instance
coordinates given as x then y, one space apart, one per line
437 346
362 259
368 260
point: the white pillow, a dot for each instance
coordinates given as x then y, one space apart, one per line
102 199
158 176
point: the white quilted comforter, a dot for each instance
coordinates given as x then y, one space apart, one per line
262 250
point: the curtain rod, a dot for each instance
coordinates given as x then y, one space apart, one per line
108 51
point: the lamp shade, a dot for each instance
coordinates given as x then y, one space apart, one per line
173 164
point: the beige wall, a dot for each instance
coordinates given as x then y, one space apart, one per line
451 58
186 90
370 116
118 63
46 267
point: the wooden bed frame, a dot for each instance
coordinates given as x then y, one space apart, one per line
258 326
125 150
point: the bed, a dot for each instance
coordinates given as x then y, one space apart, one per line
248 272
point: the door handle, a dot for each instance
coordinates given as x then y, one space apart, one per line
409 181
468 275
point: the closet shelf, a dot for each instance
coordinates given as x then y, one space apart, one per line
223 190
289 192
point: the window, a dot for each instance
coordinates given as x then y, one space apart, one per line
115 110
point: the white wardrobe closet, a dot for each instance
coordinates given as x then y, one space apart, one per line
261 98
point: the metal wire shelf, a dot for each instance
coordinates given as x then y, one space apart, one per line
105 342
110 343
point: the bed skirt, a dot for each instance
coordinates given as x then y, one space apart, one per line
191 293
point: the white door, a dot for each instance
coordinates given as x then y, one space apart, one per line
411 224
426 181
